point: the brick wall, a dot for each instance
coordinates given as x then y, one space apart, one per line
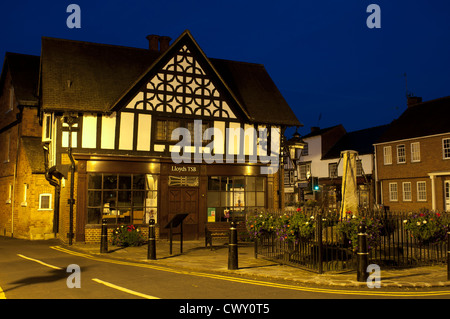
431 160
93 233
30 122
64 209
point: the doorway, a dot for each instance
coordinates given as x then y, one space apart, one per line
185 200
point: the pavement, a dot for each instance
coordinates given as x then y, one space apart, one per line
196 257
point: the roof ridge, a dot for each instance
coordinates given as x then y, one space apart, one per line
94 43
234 61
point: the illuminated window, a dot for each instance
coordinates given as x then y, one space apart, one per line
415 152
421 191
446 148
393 192
387 152
407 197
401 154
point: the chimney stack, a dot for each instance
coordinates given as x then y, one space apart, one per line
413 100
315 129
158 43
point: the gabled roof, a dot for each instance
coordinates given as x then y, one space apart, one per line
423 119
24 71
92 77
361 141
256 91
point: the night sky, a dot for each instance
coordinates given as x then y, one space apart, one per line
331 68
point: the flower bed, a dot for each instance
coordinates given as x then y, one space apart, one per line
348 228
287 227
127 235
427 227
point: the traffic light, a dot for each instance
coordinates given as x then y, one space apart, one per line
315 184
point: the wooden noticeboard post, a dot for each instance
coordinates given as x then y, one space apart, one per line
176 221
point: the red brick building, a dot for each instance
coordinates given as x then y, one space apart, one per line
413 158
26 198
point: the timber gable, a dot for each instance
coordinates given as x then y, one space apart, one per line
183 81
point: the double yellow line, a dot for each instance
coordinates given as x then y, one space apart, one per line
258 282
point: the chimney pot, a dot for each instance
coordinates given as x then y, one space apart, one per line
314 129
413 100
153 40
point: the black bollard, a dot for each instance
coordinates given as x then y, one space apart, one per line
363 254
151 254
233 248
104 237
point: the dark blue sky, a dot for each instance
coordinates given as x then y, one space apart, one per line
321 54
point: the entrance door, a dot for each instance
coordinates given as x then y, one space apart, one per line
447 195
185 200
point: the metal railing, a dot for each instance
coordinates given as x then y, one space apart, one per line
329 249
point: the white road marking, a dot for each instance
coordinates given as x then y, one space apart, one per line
132 292
39 262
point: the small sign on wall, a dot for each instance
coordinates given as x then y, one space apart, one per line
211 214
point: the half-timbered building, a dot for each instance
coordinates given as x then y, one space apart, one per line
133 134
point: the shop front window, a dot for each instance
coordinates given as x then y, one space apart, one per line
231 196
121 198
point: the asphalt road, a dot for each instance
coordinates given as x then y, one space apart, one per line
45 270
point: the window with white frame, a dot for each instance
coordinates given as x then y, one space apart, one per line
446 148
421 191
401 154
305 150
45 201
10 191
47 128
359 168
25 189
393 192
415 152
407 197
387 154
333 170
305 171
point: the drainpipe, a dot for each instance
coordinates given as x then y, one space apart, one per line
56 184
